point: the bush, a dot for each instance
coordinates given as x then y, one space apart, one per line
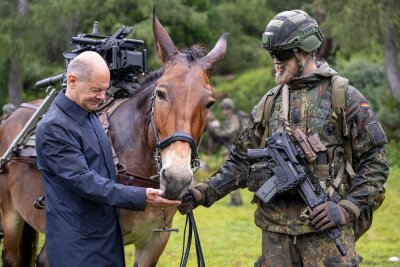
393 153
389 117
246 89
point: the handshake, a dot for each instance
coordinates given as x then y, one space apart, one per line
191 200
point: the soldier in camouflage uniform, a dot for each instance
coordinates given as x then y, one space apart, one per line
304 99
228 131
225 135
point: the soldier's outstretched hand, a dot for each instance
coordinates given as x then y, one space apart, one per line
190 200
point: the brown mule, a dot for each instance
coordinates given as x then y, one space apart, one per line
182 95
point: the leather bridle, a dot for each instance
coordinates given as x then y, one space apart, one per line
176 136
195 165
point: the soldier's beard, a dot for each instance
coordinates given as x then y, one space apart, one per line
285 73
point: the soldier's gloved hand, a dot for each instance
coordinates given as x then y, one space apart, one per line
190 200
328 215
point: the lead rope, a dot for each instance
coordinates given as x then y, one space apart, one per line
185 252
192 229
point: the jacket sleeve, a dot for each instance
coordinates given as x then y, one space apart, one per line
368 142
234 172
60 155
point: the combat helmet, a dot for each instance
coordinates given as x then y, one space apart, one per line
292 29
8 108
227 103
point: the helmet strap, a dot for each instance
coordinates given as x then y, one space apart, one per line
300 66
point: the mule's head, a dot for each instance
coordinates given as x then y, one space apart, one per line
183 95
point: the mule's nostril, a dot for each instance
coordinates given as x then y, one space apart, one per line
164 175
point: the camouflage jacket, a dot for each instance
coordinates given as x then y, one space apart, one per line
310 110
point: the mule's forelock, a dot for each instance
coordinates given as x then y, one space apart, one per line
194 52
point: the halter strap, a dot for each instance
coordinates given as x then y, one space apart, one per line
179 136
176 136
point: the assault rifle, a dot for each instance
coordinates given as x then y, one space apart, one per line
288 158
124 60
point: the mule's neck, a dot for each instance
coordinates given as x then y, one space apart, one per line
129 128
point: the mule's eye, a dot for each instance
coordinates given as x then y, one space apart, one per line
160 95
210 104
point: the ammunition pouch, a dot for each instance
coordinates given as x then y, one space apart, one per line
259 174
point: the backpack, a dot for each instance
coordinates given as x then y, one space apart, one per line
339 88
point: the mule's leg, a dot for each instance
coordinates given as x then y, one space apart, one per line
12 226
1 225
148 254
28 245
41 260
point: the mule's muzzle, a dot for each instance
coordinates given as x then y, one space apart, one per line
175 190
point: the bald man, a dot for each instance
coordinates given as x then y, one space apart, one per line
74 156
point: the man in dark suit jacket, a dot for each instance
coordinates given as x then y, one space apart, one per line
83 227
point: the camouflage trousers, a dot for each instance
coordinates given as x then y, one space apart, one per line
314 249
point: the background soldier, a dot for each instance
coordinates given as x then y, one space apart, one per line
306 98
224 135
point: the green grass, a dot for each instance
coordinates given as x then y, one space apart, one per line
230 238
383 239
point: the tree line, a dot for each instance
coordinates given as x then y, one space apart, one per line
361 37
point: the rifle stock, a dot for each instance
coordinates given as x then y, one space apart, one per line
32 122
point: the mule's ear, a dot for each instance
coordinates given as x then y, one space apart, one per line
216 54
165 47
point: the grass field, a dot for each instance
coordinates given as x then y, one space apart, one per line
230 238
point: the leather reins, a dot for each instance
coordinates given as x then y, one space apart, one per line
192 231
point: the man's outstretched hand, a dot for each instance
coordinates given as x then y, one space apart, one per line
154 197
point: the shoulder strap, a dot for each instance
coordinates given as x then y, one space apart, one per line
339 87
268 106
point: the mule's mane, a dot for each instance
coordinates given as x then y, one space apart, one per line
194 52
150 78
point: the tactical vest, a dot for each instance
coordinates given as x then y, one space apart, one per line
333 131
328 119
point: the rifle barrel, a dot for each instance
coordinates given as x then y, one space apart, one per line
53 80
85 41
